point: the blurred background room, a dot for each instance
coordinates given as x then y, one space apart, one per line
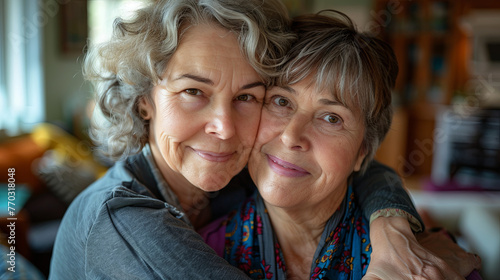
444 141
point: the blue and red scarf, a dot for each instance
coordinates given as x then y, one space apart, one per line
343 252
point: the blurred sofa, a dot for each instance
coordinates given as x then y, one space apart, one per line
52 166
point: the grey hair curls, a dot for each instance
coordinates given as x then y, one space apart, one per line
126 68
358 69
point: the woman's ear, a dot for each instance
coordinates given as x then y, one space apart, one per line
145 108
361 157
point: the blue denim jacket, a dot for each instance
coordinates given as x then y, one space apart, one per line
129 225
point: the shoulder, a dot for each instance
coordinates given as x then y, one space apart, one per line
70 243
118 188
113 191
115 208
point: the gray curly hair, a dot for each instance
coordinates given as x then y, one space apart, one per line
360 70
126 68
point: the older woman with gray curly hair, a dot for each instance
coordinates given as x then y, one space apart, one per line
179 95
180 89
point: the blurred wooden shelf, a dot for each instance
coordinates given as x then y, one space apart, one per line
432 50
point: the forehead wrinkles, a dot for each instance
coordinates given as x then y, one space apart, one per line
221 61
231 72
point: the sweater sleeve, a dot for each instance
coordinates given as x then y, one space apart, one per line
380 193
140 240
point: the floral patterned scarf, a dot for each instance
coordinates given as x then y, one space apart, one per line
343 252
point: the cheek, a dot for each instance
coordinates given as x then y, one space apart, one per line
248 133
338 157
167 109
173 121
270 128
247 125
257 167
171 126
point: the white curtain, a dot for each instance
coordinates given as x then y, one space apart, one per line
21 75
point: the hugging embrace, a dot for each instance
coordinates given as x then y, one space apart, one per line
213 105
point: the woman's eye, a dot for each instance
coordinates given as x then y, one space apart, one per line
244 97
281 101
193 91
333 119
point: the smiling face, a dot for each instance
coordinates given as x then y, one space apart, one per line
206 110
308 145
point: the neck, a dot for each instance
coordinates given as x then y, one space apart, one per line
299 232
193 200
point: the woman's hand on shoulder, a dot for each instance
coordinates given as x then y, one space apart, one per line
440 243
398 254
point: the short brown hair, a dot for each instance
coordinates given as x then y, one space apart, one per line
359 70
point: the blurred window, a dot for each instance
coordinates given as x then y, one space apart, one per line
22 104
102 14
21 75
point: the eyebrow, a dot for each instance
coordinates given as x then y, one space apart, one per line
289 89
323 101
196 78
252 85
210 82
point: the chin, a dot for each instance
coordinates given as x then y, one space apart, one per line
212 188
278 197
212 178
212 184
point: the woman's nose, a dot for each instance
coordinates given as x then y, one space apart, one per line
221 124
294 133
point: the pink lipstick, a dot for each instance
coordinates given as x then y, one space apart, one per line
215 157
285 168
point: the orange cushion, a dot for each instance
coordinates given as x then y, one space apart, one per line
20 153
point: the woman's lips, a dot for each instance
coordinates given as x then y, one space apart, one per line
215 157
285 168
